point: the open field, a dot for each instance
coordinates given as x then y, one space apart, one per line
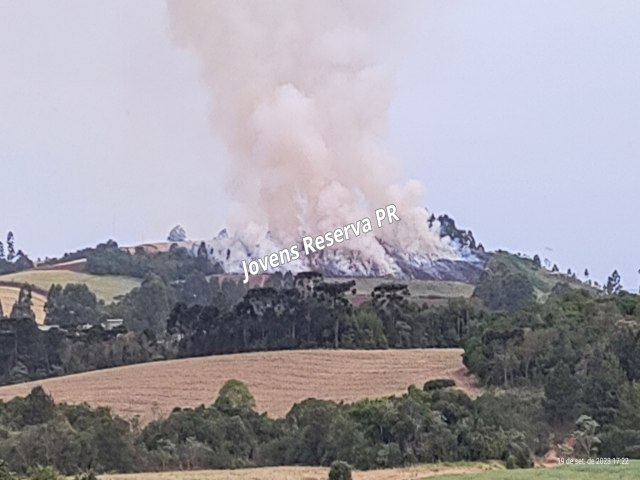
277 379
565 472
423 289
106 287
311 473
9 295
420 289
453 471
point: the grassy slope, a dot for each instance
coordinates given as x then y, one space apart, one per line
565 472
106 287
154 389
542 279
418 288
9 295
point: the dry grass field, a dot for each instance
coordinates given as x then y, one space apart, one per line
277 379
105 287
313 473
9 295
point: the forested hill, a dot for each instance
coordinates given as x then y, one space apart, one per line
557 357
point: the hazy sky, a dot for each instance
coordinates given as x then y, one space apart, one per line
522 118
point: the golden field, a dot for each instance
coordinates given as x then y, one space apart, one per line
277 380
312 473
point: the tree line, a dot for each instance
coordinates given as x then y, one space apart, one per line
200 316
425 425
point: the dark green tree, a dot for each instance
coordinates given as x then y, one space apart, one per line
23 306
613 283
536 261
562 394
234 397
340 471
391 302
333 294
38 407
11 251
147 306
73 305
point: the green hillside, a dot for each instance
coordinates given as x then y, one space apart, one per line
418 288
542 279
106 287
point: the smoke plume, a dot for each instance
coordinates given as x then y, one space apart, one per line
300 97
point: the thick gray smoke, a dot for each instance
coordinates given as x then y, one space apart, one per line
300 97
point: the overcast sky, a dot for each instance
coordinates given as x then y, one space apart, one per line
522 118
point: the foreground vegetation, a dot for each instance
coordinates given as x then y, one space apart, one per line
435 425
629 471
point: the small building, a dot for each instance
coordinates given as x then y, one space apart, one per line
112 323
46 328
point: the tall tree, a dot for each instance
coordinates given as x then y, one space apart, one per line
333 293
562 393
613 283
536 261
23 306
1 251
73 305
391 302
11 250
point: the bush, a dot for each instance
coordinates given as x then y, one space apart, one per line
511 462
5 472
438 384
86 476
340 471
44 473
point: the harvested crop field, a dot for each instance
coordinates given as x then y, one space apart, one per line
277 379
312 473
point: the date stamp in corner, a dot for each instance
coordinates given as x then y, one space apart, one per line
593 461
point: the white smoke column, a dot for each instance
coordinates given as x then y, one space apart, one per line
300 98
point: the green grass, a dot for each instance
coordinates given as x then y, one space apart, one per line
542 279
106 287
564 472
422 289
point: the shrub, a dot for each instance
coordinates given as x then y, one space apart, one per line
340 471
86 476
234 396
44 473
5 472
438 384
